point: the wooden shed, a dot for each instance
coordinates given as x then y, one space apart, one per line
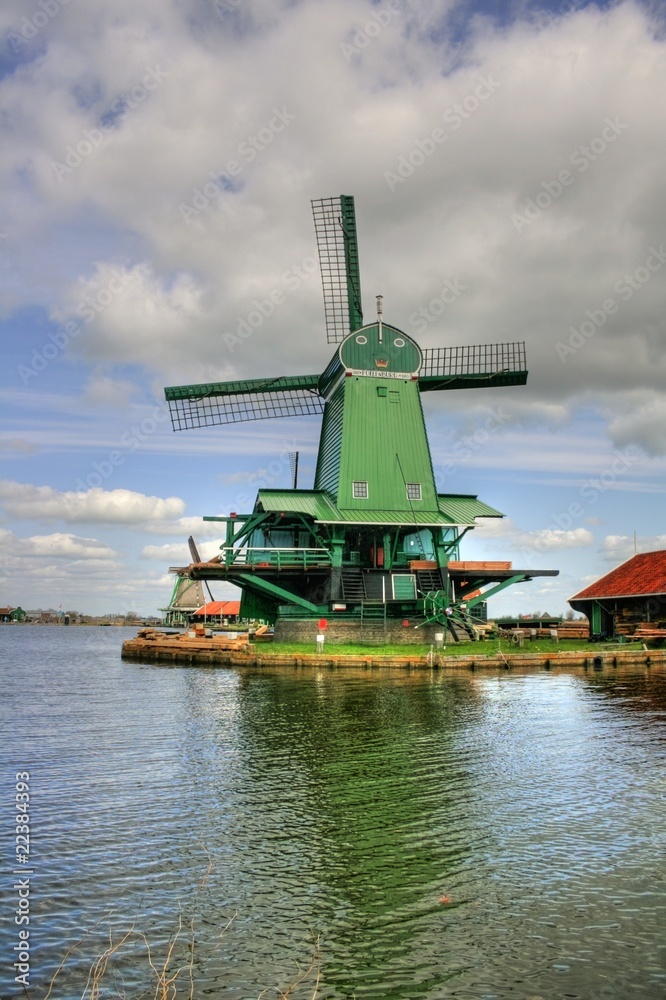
630 600
217 612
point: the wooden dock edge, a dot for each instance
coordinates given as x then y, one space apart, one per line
202 654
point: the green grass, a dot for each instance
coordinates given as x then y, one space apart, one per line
488 647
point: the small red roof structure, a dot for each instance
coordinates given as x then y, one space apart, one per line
641 576
629 599
225 609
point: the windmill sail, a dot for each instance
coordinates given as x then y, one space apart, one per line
216 403
476 365
335 229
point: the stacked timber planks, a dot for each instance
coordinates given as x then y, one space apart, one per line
565 630
649 632
151 644
574 630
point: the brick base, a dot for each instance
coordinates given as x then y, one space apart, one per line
369 634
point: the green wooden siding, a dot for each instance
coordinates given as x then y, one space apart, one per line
330 443
384 443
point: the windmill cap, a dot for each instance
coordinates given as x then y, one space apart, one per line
380 347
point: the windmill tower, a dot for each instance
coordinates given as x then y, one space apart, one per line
373 543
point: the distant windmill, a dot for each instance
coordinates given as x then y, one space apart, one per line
194 552
374 537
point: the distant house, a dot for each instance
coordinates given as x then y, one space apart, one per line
217 612
12 614
631 595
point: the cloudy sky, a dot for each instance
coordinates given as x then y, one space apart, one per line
159 158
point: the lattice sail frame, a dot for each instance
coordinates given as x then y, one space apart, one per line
212 411
474 359
337 245
219 403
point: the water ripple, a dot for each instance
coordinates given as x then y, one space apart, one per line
470 836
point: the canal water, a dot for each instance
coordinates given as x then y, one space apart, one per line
351 834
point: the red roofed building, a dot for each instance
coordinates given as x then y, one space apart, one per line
631 595
220 612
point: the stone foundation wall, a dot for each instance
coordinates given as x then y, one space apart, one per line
344 631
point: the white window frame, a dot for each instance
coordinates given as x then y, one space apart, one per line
359 483
414 487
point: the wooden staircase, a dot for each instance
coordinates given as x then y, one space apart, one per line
428 579
353 585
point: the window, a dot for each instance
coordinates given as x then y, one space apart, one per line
394 396
359 490
413 491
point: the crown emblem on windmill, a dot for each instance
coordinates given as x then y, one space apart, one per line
373 540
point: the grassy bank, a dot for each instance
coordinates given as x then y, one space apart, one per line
488 647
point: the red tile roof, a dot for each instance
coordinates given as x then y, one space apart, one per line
640 576
219 608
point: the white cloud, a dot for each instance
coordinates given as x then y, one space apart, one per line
27 502
643 424
13 445
56 546
186 526
542 540
554 539
103 391
115 303
618 548
179 554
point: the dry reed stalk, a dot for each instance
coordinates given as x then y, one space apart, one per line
165 976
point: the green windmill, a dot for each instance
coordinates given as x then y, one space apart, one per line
373 544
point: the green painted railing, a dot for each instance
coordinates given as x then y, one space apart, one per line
270 558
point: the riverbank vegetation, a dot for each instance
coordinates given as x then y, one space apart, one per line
488 647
